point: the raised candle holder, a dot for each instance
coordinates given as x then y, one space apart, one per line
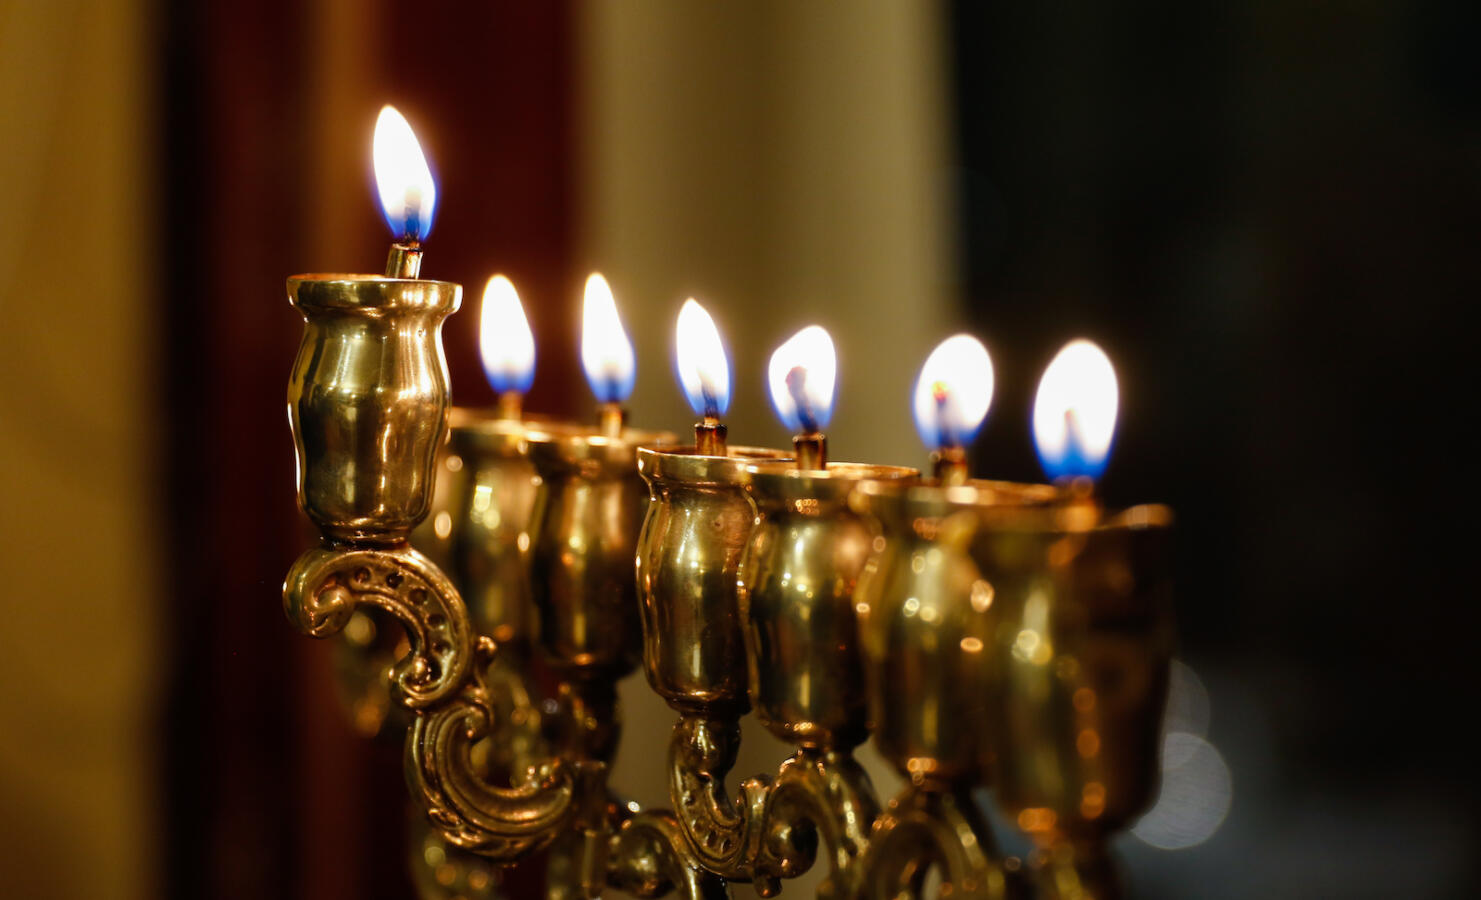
1017 637
368 404
746 570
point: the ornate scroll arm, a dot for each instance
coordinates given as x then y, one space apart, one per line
441 681
648 857
826 791
724 836
325 586
922 827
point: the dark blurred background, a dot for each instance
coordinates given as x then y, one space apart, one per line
1266 212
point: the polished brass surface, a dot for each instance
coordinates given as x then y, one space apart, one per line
927 639
925 828
367 400
925 623
441 680
697 524
588 512
1083 636
1015 635
479 527
689 577
648 859
796 587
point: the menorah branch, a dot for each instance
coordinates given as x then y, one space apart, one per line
441 681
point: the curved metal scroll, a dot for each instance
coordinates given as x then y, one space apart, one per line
925 827
647 858
441 680
723 836
774 830
829 792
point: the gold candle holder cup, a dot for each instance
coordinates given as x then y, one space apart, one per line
697 526
368 401
588 513
796 587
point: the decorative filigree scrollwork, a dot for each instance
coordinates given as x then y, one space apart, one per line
724 836
826 792
773 831
922 828
648 858
441 679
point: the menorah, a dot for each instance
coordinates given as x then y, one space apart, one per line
983 633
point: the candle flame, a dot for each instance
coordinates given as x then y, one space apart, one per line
801 377
505 341
704 367
1075 412
408 193
953 392
606 353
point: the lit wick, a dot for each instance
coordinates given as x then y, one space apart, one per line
950 403
1079 505
405 260
611 419
1074 422
949 461
407 192
801 375
506 346
606 356
709 431
703 368
811 446
510 405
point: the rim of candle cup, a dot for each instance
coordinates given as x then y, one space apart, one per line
485 429
779 478
368 293
1006 505
686 464
928 497
1070 518
569 442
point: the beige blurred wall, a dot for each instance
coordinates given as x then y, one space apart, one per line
784 164
77 435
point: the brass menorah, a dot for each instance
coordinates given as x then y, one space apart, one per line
983 633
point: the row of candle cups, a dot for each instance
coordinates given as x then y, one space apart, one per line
984 633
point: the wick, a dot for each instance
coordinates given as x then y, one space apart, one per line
405 259
511 405
811 450
796 386
611 418
949 465
946 435
1079 507
709 437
